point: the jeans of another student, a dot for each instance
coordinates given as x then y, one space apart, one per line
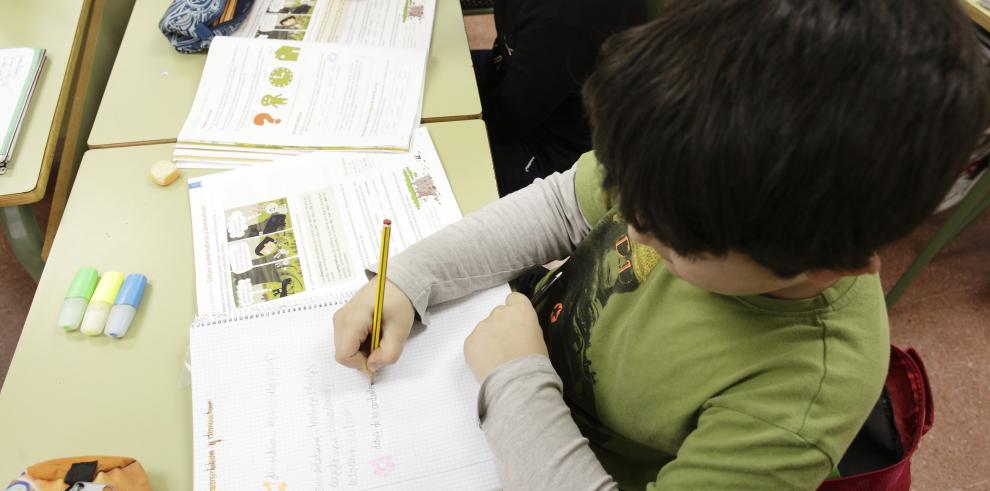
516 165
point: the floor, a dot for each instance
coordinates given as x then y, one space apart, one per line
17 291
945 315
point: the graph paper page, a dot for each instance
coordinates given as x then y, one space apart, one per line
272 410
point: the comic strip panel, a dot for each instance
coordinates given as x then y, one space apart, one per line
255 251
261 218
268 282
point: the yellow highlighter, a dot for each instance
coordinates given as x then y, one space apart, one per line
99 305
376 320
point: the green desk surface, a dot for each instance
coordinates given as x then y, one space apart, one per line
70 394
152 86
52 25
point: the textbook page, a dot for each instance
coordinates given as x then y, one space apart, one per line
272 231
206 156
272 409
313 96
278 19
379 23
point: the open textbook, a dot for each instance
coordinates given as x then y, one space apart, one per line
258 98
272 409
380 23
269 232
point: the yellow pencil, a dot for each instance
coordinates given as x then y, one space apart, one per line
225 14
216 21
376 322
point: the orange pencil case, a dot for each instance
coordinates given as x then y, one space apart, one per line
93 473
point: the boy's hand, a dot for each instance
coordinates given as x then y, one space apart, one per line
511 331
352 326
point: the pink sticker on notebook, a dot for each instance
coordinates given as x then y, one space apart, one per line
382 466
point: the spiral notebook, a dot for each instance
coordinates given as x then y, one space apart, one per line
272 410
20 69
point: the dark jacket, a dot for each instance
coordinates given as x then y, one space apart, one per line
544 51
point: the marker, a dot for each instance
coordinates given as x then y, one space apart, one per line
124 309
99 306
76 299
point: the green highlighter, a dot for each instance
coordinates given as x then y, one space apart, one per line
76 300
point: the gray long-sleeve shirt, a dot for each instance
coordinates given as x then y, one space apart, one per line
528 425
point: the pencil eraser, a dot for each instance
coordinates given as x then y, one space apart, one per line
164 173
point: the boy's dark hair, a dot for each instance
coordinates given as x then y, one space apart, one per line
261 245
804 134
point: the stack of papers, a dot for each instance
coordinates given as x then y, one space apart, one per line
323 75
20 69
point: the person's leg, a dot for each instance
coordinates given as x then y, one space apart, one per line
516 165
484 68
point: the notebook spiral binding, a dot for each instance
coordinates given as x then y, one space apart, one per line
291 305
308 302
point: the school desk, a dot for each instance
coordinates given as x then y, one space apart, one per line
152 86
69 394
81 37
978 13
27 173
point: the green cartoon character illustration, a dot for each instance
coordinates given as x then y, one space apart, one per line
280 77
273 100
287 53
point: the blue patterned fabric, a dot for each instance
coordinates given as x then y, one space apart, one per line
187 23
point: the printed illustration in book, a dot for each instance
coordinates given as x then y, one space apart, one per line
373 23
305 223
263 254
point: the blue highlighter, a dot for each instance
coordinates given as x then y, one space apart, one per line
125 307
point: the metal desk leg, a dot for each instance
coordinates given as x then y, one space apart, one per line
24 236
977 200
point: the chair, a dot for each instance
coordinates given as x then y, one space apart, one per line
879 458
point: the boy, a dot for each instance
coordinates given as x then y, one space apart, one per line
719 324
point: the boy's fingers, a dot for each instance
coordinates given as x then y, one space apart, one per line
348 350
389 349
356 361
348 336
516 298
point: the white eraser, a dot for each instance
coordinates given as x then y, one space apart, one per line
164 173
